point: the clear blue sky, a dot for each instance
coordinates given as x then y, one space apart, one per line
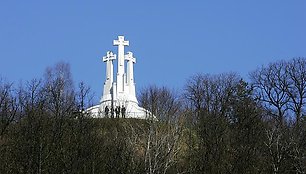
171 39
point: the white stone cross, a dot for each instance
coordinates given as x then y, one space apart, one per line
130 70
129 57
121 43
120 70
109 56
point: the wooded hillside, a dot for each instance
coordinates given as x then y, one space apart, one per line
216 124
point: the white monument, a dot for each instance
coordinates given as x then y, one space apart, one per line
119 96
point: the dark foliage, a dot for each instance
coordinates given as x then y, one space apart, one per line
219 124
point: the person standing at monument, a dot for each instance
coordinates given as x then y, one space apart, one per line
117 110
123 111
106 110
112 112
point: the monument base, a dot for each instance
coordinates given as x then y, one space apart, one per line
132 111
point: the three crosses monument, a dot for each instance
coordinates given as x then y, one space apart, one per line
119 94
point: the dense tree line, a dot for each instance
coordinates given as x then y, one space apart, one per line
216 124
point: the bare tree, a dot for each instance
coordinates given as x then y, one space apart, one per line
210 97
8 106
84 96
163 145
278 147
61 105
161 102
195 90
32 127
59 90
163 137
271 84
210 93
281 88
296 88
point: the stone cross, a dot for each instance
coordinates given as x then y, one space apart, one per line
130 70
129 57
120 70
121 43
110 56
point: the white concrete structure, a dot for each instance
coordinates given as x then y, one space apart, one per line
122 92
